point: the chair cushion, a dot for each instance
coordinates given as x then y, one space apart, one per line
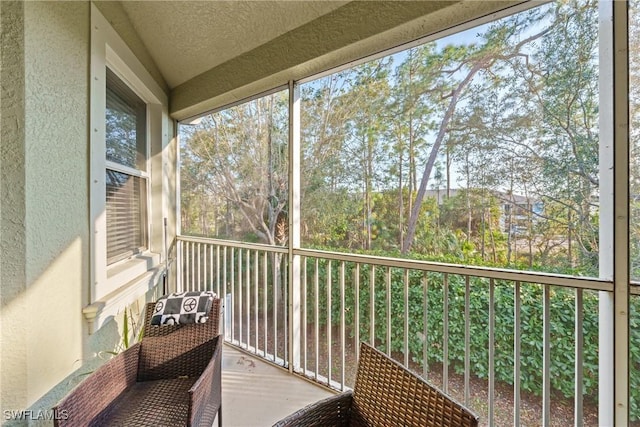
182 308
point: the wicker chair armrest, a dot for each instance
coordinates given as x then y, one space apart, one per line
92 398
332 411
205 396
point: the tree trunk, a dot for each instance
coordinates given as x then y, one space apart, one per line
415 210
448 167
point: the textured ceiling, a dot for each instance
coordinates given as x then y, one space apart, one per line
187 38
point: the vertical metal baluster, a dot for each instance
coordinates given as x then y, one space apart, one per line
329 361
406 318
232 321
203 284
445 332
303 303
210 282
181 267
189 275
356 314
208 279
225 291
200 268
546 363
316 313
342 325
425 326
492 373
206 285
218 291
579 416
240 299
194 272
275 309
256 300
187 266
372 307
248 296
198 260
265 299
189 283
467 339
388 311
285 304
194 275
516 355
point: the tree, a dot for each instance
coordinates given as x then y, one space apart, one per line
239 156
365 127
456 68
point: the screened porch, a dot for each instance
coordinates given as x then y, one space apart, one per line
412 200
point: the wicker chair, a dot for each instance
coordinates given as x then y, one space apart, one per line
171 378
386 394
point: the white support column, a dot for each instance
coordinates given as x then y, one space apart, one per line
606 239
614 214
178 262
294 227
621 213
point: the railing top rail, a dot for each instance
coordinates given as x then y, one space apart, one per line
429 266
234 244
466 270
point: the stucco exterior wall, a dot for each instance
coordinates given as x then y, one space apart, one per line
56 182
43 189
13 329
45 345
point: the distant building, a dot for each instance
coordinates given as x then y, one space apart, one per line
516 212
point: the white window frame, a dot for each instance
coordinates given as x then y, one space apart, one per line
114 286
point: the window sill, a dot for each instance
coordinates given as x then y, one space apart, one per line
130 279
129 269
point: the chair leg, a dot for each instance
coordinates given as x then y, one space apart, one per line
220 416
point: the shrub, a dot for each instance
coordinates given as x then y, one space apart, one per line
562 324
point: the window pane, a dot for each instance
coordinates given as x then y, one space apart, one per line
234 172
126 215
125 125
478 148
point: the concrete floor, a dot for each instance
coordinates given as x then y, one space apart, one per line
256 393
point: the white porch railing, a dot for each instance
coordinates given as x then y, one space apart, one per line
448 321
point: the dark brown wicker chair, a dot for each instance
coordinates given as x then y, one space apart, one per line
171 378
386 394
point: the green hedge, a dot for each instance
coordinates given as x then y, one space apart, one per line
562 325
